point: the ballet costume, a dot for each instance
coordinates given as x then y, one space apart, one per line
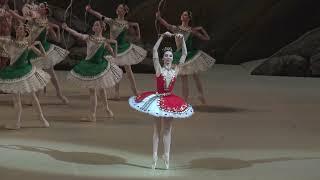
197 61
95 71
162 104
128 53
55 54
21 77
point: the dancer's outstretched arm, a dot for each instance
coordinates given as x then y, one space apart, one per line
97 14
18 17
5 40
170 27
74 32
156 63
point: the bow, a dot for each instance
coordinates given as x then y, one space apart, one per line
65 20
157 26
86 15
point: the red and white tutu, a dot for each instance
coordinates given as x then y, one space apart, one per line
161 103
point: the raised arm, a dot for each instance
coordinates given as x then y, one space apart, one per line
54 31
184 52
5 40
162 21
156 63
136 26
201 33
184 49
97 14
74 33
18 17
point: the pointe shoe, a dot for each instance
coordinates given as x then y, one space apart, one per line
89 118
92 118
110 114
202 100
64 99
187 99
154 164
13 126
45 122
166 161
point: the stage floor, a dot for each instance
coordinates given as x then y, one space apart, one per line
254 128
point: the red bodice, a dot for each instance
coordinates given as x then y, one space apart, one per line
161 85
168 101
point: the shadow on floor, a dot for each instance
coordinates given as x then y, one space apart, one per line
72 157
218 109
87 158
231 164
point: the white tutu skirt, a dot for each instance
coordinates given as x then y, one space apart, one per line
199 63
133 55
151 105
34 81
55 55
107 79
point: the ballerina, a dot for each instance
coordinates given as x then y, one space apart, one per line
21 77
37 15
163 104
197 60
128 53
96 72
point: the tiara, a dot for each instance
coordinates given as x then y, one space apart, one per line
167 49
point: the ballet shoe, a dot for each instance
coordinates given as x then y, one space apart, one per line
13 126
154 163
166 161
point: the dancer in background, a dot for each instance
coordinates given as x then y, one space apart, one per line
5 31
96 72
128 53
21 77
163 104
197 60
37 15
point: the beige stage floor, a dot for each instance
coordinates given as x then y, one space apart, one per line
254 128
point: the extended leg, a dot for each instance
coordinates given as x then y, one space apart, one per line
18 107
199 86
185 87
93 105
117 91
131 79
39 109
167 127
156 137
104 96
56 84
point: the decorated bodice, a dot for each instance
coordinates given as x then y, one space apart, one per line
39 32
18 52
166 81
95 48
118 30
187 34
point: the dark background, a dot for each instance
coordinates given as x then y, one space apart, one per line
241 30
